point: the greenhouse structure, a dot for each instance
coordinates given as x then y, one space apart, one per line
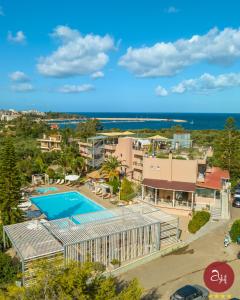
123 234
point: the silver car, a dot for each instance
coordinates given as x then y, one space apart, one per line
190 292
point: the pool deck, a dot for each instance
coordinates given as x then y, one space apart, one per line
82 189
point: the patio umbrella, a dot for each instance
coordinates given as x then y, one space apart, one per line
72 177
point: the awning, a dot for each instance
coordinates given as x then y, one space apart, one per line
96 175
72 177
117 133
158 137
169 185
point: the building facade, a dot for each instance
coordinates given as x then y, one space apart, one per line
50 143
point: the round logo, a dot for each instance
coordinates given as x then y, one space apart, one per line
218 277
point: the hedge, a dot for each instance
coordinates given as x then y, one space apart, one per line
235 230
199 219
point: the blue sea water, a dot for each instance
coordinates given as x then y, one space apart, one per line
195 121
62 205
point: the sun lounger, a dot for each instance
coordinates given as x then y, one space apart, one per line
57 182
68 183
61 182
107 196
23 205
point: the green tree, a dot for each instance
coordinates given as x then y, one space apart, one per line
88 128
10 184
77 282
8 269
110 168
127 190
227 149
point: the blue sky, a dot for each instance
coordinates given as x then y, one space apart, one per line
123 56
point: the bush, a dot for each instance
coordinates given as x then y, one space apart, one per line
115 185
127 192
8 269
199 219
235 230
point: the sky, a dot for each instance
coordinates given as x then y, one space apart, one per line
120 56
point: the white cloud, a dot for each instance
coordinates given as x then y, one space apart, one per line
208 83
73 89
77 54
22 87
161 91
172 10
205 84
167 59
98 74
1 11
18 38
19 76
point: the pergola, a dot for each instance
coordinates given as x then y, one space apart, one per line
123 233
31 241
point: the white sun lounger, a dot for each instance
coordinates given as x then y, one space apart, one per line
57 182
61 182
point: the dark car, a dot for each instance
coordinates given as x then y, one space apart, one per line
190 292
236 202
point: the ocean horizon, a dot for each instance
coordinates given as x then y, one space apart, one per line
192 121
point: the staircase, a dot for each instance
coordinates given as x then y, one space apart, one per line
216 213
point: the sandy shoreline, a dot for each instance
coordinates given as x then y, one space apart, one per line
120 119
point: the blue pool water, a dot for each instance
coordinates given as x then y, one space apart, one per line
44 190
63 205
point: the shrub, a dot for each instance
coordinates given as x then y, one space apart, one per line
199 219
235 230
8 269
127 192
115 262
115 184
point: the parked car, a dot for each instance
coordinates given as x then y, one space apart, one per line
190 292
236 202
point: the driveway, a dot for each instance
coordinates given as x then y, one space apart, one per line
166 274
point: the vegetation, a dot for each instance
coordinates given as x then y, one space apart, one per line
127 191
110 168
88 128
199 219
9 269
235 231
227 150
85 282
10 184
115 183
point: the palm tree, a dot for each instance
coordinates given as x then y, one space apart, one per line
78 165
110 168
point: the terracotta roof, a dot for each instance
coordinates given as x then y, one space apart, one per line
213 179
169 185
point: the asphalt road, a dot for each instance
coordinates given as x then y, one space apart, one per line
162 276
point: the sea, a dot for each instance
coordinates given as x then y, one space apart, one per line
193 121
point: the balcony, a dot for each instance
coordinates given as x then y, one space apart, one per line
110 147
138 152
138 165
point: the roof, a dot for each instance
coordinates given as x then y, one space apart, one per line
169 185
106 222
96 175
117 133
158 137
31 239
213 179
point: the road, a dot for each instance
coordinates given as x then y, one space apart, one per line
164 275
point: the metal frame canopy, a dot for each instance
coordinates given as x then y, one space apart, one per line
99 224
32 240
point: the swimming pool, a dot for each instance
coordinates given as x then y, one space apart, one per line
62 205
43 190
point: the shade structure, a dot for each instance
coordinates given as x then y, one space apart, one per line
158 137
72 177
96 175
117 133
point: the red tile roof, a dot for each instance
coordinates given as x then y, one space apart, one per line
213 179
169 185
